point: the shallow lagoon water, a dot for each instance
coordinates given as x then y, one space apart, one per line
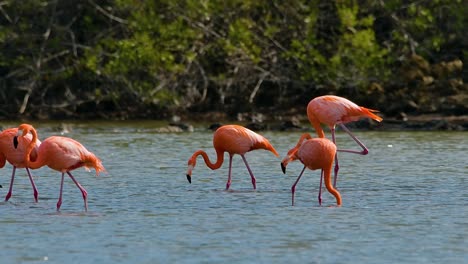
405 202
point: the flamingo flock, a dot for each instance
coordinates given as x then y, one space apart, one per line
314 153
22 148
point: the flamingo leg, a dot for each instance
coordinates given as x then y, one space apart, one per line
36 193
59 202
337 166
10 190
293 188
363 152
320 189
254 181
228 183
83 191
364 148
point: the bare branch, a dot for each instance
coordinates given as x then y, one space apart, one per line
5 14
257 87
29 88
205 81
107 14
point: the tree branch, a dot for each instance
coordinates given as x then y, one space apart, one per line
107 14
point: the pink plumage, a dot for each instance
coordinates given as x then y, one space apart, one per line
333 110
61 154
15 156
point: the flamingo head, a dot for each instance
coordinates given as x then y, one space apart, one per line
291 156
23 130
191 165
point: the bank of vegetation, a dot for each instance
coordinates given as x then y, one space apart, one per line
127 59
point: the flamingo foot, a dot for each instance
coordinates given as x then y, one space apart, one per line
228 184
85 199
320 200
59 203
7 197
36 195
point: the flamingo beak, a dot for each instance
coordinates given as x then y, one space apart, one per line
189 173
15 141
283 168
189 178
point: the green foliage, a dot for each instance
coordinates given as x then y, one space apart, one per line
135 57
359 57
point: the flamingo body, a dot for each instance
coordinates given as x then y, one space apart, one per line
236 139
65 154
314 154
61 154
232 139
333 110
15 156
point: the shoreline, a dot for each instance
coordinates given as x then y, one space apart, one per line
426 122
279 122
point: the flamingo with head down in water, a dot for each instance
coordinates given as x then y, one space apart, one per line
232 139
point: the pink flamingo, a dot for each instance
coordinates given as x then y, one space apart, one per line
16 157
314 153
334 110
61 154
232 139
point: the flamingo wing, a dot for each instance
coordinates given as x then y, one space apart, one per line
332 110
62 153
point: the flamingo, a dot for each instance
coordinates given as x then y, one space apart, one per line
232 139
334 110
314 153
61 154
16 157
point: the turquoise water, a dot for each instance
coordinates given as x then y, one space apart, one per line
405 202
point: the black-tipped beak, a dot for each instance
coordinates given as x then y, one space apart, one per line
15 142
283 168
189 178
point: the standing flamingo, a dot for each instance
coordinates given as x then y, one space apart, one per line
232 139
16 157
314 153
61 154
334 110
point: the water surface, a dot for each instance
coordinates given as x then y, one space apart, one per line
405 202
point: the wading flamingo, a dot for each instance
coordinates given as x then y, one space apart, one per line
334 110
16 157
61 154
232 139
314 153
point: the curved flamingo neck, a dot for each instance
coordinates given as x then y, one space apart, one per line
329 185
305 136
319 129
316 124
31 164
211 165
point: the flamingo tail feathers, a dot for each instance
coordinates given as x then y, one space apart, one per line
264 144
91 161
370 113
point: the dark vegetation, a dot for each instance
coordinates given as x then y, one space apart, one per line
128 59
